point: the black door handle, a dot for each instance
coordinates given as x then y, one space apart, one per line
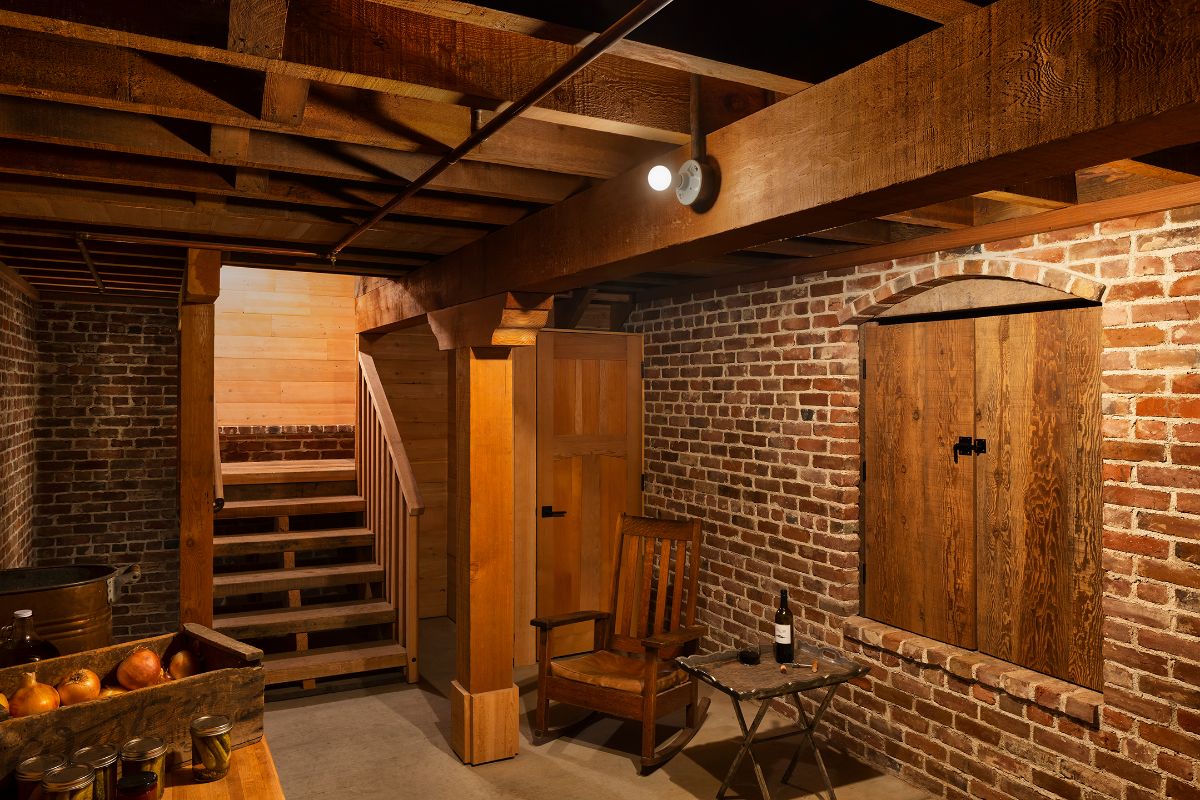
548 511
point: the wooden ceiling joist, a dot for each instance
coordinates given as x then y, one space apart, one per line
868 147
941 11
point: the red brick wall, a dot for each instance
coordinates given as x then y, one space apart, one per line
17 392
286 442
106 451
752 424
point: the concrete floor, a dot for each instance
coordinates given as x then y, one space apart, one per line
393 741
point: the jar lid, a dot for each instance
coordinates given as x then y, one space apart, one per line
68 778
32 769
24 613
143 748
96 756
137 781
211 725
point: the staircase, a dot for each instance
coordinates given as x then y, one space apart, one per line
297 572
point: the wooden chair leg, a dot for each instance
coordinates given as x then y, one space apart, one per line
689 714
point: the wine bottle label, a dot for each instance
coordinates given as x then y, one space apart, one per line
783 634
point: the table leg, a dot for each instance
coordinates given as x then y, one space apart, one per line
808 727
747 741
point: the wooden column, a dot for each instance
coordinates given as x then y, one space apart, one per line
197 417
484 705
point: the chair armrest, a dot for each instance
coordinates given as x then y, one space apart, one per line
557 621
676 638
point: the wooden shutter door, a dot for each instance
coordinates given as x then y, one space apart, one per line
1038 491
589 466
919 509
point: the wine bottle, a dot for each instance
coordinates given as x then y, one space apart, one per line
24 646
784 652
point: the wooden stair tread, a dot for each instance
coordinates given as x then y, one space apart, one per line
258 472
276 580
325 661
279 541
305 619
291 506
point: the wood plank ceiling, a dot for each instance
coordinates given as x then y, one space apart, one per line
127 131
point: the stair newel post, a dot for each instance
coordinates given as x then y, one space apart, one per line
197 407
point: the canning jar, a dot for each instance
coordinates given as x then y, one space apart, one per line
138 786
72 782
146 754
102 758
210 747
29 774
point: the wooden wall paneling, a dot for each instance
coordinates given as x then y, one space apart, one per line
524 504
1038 491
919 538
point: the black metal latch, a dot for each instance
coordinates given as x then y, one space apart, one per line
548 511
966 446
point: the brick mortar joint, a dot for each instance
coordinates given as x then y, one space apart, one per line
1009 678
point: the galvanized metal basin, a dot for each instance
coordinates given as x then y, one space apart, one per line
72 606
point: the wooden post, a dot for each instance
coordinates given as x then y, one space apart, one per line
483 698
197 468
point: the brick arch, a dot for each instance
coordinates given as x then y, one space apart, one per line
873 303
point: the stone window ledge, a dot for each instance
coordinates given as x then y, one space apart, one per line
1052 694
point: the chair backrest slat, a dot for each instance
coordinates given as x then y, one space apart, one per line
640 591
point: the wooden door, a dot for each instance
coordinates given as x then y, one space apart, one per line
1038 491
589 468
919 526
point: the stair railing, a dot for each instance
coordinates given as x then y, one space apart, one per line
218 478
393 502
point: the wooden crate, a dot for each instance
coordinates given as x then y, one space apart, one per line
232 685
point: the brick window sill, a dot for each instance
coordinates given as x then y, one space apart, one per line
1052 694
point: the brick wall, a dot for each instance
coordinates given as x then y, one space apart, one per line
752 424
17 379
106 451
286 442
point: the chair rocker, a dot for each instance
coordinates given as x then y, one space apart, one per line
631 671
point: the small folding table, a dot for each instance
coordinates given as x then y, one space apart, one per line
814 668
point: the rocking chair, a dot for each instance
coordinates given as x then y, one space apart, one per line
631 673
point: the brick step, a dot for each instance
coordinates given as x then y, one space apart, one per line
282 580
327 661
291 507
249 543
259 472
306 619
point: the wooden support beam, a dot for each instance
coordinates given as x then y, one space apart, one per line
1057 191
197 416
258 27
284 98
891 154
15 280
941 11
510 320
568 312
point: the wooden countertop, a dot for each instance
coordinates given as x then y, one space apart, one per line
252 776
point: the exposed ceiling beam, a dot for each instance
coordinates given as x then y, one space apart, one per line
941 11
863 145
635 51
370 46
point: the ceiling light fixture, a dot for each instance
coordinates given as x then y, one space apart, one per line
697 180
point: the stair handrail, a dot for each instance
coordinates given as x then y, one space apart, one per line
218 478
391 435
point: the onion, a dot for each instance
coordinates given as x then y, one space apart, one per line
139 669
183 665
112 691
3 702
33 697
81 686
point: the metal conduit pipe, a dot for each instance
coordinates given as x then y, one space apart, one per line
586 55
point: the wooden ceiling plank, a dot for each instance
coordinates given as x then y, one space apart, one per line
891 154
940 11
482 16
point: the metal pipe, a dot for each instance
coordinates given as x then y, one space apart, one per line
87 259
130 238
586 55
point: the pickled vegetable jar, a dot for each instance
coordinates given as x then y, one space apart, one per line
102 758
138 786
72 782
211 746
146 754
29 775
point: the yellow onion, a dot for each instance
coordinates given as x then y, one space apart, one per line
112 691
139 669
82 685
3 702
183 665
33 697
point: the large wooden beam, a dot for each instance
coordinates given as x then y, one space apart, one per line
942 11
870 142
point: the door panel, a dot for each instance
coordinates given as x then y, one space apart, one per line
589 464
1037 491
919 537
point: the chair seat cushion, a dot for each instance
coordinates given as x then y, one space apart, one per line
612 670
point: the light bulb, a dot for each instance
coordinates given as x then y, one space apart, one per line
660 178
